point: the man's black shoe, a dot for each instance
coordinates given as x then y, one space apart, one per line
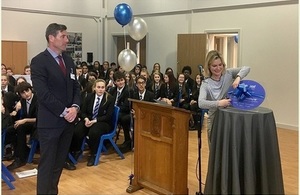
16 164
91 161
69 166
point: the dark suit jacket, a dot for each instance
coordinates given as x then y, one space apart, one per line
106 108
33 109
190 83
10 88
149 96
9 100
123 102
55 92
82 81
12 80
173 93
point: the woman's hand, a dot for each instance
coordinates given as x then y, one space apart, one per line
18 106
87 122
224 103
236 82
167 101
193 102
13 113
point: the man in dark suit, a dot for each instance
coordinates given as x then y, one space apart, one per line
121 95
24 126
54 80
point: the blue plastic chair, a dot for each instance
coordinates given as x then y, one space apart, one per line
3 135
6 176
34 144
73 160
110 137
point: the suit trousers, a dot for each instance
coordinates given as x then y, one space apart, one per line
54 148
21 149
124 120
94 133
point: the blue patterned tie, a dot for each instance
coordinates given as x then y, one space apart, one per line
117 98
95 111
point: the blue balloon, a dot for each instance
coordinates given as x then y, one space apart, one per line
236 38
123 14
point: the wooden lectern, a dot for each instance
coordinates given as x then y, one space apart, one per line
160 148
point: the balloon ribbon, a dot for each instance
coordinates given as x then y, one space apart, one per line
243 91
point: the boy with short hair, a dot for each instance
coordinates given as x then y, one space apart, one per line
121 95
25 125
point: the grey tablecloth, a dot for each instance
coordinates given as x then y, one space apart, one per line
244 155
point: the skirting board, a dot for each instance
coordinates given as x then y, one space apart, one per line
285 126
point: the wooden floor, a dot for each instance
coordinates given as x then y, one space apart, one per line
111 175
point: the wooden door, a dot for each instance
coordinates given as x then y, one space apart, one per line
121 45
14 55
7 54
19 56
191 50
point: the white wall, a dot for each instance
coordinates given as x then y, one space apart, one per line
31 27
84 8
164 6
268 41
269 35
269 45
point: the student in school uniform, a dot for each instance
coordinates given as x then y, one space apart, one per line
121 94
24 126
142 93
96 114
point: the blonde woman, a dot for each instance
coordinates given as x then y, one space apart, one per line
214 88
96 114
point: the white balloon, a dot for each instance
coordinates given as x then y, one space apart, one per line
137 28
127 59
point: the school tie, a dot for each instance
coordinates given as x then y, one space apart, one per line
61 64
179 94
180 91
95 111
117 98
141 97
27 106
168 91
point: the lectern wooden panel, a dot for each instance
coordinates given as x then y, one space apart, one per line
160 148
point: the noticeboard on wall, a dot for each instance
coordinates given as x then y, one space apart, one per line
74 47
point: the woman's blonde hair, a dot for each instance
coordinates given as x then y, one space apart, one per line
210 57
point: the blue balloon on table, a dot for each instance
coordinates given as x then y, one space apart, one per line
123 13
